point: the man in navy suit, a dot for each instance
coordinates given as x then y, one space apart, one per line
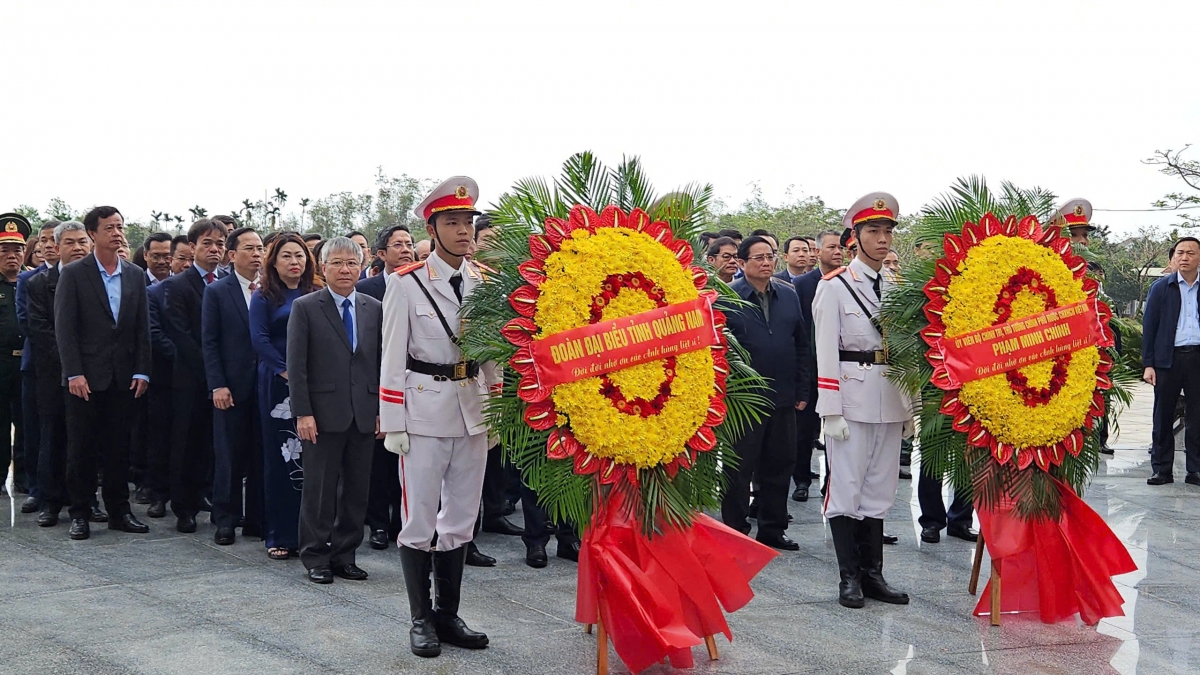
157 485
394 246
231 371
191 410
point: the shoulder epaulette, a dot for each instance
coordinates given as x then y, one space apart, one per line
833 273
483 268
410 268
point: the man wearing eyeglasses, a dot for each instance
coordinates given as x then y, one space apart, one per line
722 257
394 246
771 328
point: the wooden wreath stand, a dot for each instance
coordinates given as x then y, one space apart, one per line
973 587
602 646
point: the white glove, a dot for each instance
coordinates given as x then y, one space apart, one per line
909 429
836 428
396 442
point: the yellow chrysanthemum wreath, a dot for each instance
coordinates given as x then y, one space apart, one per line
970 306
573 273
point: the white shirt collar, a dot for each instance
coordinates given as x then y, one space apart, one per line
243 281
339 299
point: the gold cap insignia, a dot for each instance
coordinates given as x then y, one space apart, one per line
461 192
1079 210
880 205
11 227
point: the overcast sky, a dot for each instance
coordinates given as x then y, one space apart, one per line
164 105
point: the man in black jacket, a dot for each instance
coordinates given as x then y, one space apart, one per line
191 409
103 336
773 331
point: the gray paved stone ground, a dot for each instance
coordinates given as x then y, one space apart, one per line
171 603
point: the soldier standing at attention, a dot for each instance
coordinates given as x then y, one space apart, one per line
14 229
865 415
431 406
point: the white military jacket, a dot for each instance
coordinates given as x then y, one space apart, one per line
415 402
858 392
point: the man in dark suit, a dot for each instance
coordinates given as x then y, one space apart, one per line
191 409
157 485
232 374
103 334
394 246
29 406
72 243
333 359
795 260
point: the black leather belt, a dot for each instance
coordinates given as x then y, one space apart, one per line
1188 348
463 370
875 358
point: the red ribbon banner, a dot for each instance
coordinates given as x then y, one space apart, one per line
1016 344
616 344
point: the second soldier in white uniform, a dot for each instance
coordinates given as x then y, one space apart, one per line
431 406
865 416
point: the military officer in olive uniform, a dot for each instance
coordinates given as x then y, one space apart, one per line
14 229
431 407
865 416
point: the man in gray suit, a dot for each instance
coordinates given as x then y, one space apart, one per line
335 399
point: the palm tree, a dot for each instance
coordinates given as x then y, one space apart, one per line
248 209
156 216
198 212
303 207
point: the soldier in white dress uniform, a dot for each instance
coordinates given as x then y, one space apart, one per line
865 416
431 407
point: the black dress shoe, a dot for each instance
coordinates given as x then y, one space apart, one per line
142 496
535 556
779 541
960 532
79 529
890 539
31 505
157 509
350 572
97 515
320 575
224 536
501 525
48 518
508 509
905 475
813 475
800 494
378 540
475 558
931 534
186 524
1160 479
1193 478
569 550
1107 451
127 523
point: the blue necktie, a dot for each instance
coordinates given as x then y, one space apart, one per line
348 321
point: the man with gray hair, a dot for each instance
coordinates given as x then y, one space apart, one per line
333 354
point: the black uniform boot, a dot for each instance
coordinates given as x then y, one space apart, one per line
417 566
448 572
850 592
870 546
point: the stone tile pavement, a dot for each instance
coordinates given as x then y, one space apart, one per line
172 603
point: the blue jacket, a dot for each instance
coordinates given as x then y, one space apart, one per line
373 286
23 315
1159 322
229 358
778 350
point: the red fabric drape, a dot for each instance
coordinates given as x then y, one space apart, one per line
1057 568
660 597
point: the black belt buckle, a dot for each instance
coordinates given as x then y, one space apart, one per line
460 370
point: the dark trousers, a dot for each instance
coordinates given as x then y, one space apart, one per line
52 456
32 429
495 480
11 418
1183 375
384 502
538 526
98 432
333 504
933 508
191 449
139 433
238 460
767 454
158 442
808 425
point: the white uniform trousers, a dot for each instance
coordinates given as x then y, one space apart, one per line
863 471
437 470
